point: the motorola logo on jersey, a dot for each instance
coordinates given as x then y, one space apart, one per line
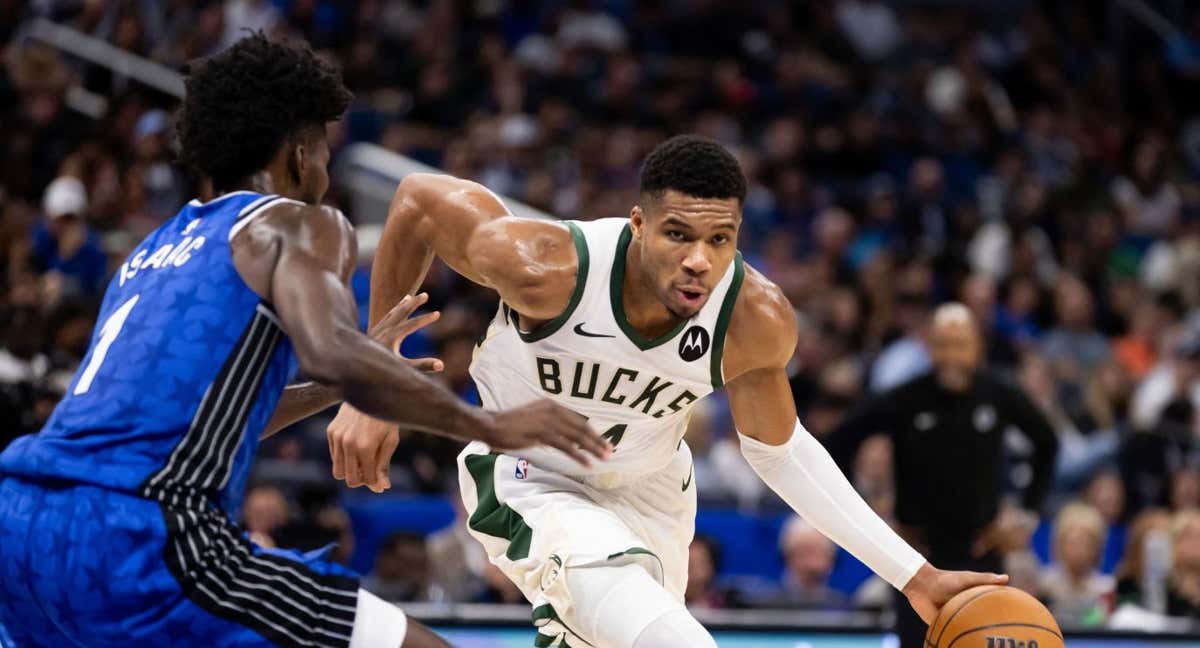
694 343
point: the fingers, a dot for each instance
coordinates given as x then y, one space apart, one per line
974 579
353 469
395 325
383 462
584 436
407 327
336 457
407 306
426 364
566 444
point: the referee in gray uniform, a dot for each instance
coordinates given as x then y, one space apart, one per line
947 428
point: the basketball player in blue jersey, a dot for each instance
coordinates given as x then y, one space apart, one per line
115 519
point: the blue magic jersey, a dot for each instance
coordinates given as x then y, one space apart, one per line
185 368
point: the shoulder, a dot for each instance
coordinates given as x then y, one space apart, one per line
762 330
319 230
292 220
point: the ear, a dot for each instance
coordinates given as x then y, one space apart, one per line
637 220
297 161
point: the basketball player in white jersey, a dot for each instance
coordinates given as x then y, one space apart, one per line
628 321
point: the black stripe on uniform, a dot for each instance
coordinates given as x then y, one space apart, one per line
281 599
204 457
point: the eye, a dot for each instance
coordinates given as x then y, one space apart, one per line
675 235
720 239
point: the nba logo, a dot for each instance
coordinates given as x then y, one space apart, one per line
522 470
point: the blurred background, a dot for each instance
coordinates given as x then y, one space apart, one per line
1037 161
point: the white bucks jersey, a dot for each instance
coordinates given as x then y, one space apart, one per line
636 392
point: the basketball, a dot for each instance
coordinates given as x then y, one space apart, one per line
994 616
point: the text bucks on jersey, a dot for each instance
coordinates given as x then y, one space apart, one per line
635 391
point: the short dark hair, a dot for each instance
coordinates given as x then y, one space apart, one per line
244 103
693 165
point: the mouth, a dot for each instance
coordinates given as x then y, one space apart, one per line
691 295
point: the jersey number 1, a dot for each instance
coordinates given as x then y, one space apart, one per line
108 333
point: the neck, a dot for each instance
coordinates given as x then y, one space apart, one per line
260 182
643 310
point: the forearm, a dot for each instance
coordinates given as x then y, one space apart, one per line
402 259
806 477
377 383
298 402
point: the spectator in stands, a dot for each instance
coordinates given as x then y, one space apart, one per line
459 559
1074 347
64 246
808 558
402 570
1183 591
1142 573
1073 587
498 588
704 557
1175 380
1185 488
39 130
1106 493
1024 571
264 512
1164 413
1149 202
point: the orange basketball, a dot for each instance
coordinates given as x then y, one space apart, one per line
994 616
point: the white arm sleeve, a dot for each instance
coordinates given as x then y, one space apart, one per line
806 477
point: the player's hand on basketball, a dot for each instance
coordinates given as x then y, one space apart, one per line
399 324
360 448
931 587
545 423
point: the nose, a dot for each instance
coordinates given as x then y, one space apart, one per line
696 263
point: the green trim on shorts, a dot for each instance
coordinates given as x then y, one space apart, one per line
633 551
490 516
545 612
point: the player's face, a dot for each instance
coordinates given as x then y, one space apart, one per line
687 244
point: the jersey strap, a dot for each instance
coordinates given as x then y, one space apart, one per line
739 273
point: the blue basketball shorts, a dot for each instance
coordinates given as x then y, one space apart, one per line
86 566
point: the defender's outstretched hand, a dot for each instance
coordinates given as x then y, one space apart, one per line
930 588
545 423
397 325
361 447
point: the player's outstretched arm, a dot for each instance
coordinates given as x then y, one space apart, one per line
299 258
302 400
761 340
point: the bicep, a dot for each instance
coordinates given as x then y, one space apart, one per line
762 405
530 262
440 214
309 283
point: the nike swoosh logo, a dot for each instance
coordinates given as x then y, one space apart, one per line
691 472
579 329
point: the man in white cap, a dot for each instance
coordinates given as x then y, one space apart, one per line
62 241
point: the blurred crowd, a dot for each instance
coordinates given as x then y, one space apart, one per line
1039 162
